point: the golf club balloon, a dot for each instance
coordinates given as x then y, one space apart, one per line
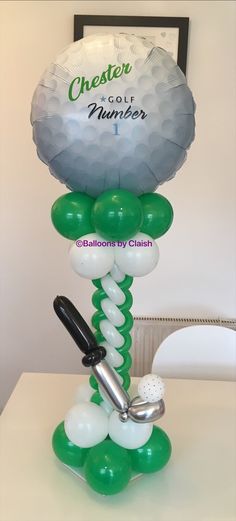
113 111
142 412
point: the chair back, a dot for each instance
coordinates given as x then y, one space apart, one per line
198 352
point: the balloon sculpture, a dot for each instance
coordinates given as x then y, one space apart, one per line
112 118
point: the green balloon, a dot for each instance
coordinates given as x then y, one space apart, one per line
154 455
117 215
71 215
107 468
96 398
157 215
65 450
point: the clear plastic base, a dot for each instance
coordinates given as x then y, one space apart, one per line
80 473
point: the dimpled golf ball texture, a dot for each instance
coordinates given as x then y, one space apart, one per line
94 155
151 388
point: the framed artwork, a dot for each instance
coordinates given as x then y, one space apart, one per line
170 33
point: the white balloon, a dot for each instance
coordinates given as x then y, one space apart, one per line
91 262
107 407
113 357
111 334
86 424
116 274
83 393
112 312
151 388
139 257
112 290
129 434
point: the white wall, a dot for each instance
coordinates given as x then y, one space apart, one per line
196 273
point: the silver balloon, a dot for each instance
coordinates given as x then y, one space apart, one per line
111 387
129 119
145 412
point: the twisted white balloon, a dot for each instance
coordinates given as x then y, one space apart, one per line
115 317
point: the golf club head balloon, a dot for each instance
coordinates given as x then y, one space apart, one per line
113 111
144 412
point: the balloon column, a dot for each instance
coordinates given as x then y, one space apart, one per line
112 118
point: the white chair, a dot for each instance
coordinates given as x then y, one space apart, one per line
198 352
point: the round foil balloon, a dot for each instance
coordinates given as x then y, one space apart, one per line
113 111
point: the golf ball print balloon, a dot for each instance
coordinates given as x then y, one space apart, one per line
151 388
113 111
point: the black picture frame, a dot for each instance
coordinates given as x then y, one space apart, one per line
139 21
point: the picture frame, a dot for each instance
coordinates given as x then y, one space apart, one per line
170 33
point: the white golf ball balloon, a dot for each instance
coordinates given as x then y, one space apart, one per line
151 388
86 424
129 434
143 121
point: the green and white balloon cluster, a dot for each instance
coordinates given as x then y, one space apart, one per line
116 228
109 450
81 420
114 240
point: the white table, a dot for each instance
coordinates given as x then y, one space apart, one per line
198 484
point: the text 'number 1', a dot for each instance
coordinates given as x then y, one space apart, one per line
116 129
